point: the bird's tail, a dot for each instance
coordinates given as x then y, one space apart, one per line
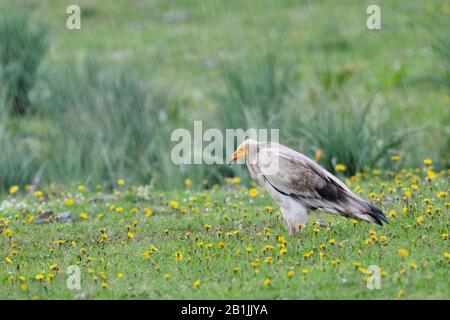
363 210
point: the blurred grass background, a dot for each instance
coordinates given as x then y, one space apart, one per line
102 101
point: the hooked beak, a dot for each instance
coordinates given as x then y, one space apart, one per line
234 157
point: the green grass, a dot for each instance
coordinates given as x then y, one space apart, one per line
179 223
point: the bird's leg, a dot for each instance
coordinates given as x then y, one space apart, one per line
292 230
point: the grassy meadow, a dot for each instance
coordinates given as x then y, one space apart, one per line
228 243
85 123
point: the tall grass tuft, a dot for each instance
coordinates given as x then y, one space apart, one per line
255 93
22 48
340 130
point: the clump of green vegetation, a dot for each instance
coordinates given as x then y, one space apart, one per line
344 131
22 49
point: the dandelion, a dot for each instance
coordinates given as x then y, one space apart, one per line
428 162
174 204
420 219
119 209
8 260
253 192
447 255
442 194
121 182
340 167
196 283
130 235
248 250
392 213
403 253
318 154
54 266
39 276
267 282
38 194
120 275
305 271
7 233
444 236
207 227
69 202
50 277
354 222
357 264
331 241
81 187
104 285
400 294
178 256
13 189
167 276
395 158
148 212
236 180
290 274
84 215
187 183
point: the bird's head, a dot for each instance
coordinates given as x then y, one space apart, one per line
243 149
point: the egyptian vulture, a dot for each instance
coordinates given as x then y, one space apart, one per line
299 185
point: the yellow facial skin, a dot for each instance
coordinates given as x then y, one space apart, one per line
240 152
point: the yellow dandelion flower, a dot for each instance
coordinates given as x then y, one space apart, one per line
8 260
305 271
395 158
236 180
400 294
420 219
442 194
7 233
39 276
290 274
130 235
167 276
68 202
81 187
428 162
196 283
403 253
84 215
178 256
120 275
23 287
267 282
331 241
121 182
253 192
38 194
13 189
148 212
340 167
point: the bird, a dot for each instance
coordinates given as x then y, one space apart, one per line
299 185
